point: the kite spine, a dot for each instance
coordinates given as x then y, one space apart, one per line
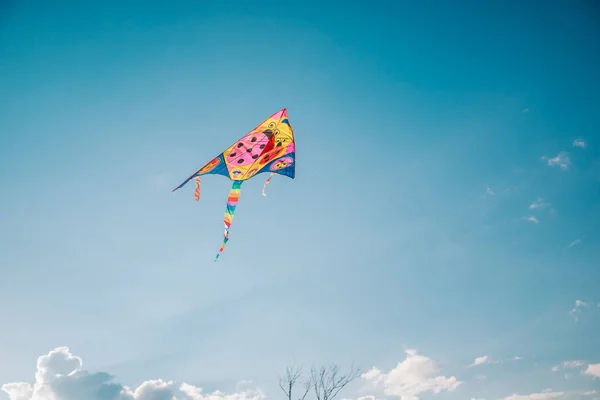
232 200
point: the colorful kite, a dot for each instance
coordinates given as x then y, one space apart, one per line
268 147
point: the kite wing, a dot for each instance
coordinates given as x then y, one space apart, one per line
269 147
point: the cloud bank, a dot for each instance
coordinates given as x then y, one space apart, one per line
60 376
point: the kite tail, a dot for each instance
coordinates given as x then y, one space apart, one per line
197 191
232 200
266 183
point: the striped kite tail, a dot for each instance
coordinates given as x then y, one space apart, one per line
232 200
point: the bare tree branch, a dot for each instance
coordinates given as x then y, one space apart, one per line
288 382
327 382
307 386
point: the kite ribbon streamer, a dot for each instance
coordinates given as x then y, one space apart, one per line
232 200
266 183
197 191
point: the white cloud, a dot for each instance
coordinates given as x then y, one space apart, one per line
578 305
481 360
539 203
589 393
574 243
367 397
593 370
572 364
579 143
18 391
517 358
60 376
535 396
374 375
531 218
561 160
489 191
411 377
568 364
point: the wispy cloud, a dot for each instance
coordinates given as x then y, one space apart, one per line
500 190
535 396
517 358
531 218
578 304
568 364
561 160
579 143
574 243
573 364
539 203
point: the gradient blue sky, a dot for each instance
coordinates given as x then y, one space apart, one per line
421 129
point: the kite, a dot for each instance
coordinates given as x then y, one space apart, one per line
270 147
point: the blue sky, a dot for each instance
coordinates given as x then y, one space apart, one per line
446 204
